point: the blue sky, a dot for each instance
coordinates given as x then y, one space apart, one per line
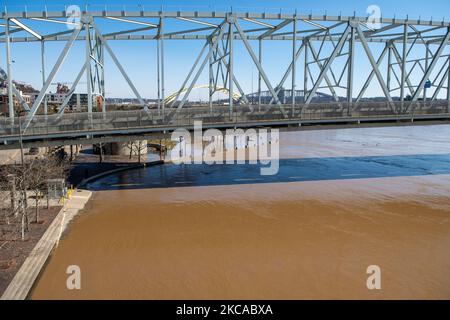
139 57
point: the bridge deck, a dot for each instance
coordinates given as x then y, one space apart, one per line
72 125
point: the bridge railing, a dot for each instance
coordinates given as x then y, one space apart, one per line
116 121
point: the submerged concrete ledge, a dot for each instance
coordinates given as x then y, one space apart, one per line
110 172
23 281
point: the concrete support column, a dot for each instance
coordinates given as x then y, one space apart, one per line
126 148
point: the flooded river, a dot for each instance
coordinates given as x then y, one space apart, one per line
342 200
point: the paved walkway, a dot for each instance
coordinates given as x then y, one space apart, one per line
7 156
23 281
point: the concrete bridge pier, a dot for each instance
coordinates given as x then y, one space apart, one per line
130 148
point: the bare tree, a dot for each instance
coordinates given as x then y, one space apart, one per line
6 193
31 176
130 148
19 183
137 148
36 181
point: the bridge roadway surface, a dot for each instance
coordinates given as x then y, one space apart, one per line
73 128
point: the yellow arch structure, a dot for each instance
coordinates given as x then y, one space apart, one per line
170 98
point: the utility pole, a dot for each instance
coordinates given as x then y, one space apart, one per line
9 71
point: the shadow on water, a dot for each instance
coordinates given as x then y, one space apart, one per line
290 170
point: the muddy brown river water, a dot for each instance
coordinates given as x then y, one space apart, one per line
344 200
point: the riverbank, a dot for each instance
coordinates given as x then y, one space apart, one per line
24 279
13 250
21 261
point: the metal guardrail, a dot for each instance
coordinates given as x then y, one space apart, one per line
154 120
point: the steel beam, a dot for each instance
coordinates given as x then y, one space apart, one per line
440 85
158 72
102 80
436 57
375 67
235 81
72 90
372 74
143 23
199 71
112 34
305 68
259 72
68 23
448 86
426 67
191 71
294 62
256 62
399 62
330 85
43 74
288 71
403 66
264 24
389 65
88 69
230 66
119 66
350 70
198 22
9 71
163 86
50 78
27 29
210 78
276 28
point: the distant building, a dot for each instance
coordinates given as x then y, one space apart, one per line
4 100
26 91
78 101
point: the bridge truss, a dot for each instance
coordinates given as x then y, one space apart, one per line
414 58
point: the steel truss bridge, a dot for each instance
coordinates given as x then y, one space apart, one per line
412 71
